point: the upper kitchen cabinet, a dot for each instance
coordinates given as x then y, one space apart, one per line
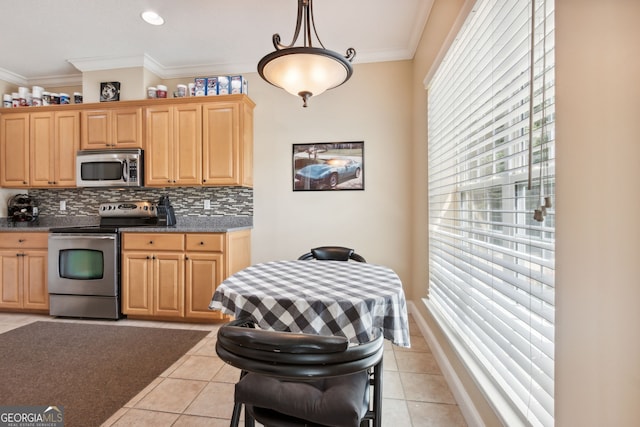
14 150
54 140
227 149
204 143
111 128
173 154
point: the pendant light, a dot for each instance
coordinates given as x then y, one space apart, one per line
306 70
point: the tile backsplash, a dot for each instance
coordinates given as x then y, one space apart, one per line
186 201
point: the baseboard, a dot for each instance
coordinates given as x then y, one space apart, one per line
468 409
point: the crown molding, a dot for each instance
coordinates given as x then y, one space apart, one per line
12 78
187 71
107 62
56 81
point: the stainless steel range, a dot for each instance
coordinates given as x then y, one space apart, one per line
84 262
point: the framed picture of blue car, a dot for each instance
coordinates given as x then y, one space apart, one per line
328 166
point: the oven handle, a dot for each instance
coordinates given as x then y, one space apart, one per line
65 236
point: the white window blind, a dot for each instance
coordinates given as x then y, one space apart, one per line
491 264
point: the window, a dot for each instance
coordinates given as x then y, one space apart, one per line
491 166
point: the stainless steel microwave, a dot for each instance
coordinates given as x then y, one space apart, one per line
110 168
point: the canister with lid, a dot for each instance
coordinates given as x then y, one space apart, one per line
36 96
23 93
7 101
162 91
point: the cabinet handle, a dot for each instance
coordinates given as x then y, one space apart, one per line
186 257
20 240
148 257
204 180
24 182
153 257
201 243
151 242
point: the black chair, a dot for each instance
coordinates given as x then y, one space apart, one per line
290 379
334 253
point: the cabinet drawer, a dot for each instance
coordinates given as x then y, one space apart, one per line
153 241
209 242
13 240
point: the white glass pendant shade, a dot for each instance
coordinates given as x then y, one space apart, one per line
305 70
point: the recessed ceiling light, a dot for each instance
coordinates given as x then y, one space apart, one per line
152 18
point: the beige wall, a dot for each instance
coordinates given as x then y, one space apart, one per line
6 87
374 107
133 83
598 244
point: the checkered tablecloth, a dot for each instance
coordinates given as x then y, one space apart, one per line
322 297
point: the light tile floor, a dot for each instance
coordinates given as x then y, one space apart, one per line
198 389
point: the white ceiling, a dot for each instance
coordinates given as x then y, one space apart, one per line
50 42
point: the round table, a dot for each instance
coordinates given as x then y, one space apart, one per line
351 299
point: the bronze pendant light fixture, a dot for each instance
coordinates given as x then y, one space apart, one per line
306 70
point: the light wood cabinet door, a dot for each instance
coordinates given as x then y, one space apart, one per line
113 128
42 139
14 150
227 147
127 128
35 292
221 144
11 277
137 284
23 276
238 254
168 289
96 130
173 155
188 145
204 272
54 140
67 143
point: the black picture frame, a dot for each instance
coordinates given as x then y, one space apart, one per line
328 166
109 91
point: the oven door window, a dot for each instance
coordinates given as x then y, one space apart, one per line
81 264
101 171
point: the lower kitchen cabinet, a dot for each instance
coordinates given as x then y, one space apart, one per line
153 284
23 271
174 275
204 273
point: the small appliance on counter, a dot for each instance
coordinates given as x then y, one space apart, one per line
166 214
22 208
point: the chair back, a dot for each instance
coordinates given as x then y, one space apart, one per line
332 253
292 355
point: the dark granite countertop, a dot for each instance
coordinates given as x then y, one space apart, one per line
184 224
